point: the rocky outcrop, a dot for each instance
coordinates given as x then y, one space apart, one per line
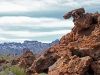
47 59
71 66
78 52
26 59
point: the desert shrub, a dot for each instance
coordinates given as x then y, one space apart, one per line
4 66
16 70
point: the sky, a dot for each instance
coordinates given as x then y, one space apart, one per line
40 20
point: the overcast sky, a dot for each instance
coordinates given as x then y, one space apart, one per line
40 20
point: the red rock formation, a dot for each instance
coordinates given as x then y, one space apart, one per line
76 50
71 66
49 57
26 59
22 63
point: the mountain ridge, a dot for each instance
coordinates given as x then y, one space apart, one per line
16 48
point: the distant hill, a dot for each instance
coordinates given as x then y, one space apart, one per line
34 46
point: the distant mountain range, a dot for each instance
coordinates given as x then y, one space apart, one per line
17 48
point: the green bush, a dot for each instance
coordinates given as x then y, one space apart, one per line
16 70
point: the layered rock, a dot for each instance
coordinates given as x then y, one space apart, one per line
78 52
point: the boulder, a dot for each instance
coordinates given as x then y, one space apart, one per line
27 58
48 58
71 66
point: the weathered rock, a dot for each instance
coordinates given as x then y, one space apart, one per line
96 67
22 63
99 19
76 13
27 58
71 66
47 59
76 50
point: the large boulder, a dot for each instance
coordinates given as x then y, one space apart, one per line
48 58
71 66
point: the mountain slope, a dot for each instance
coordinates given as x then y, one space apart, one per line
34 46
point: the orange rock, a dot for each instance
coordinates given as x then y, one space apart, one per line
26 59
75 51
71 66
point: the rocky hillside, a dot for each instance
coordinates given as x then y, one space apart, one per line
16 48
78 52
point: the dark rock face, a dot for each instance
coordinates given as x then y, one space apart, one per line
95 65
2 61
15 61
78 52
35 46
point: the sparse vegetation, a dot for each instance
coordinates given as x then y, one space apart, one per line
8 57
15 70
7 69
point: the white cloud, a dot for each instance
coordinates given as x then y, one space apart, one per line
7 6
42 5
27 34
35 22
8 35
21 6
21 40
2 38
28 22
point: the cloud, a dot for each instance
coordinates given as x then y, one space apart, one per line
38 19
25 35
32 34
21 28
34 22
43 5
21 40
